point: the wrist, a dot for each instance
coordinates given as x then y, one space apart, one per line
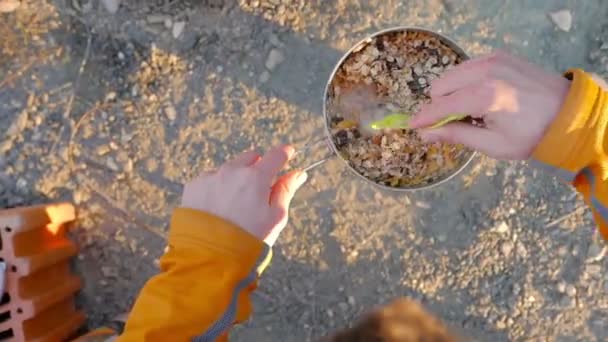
192 228
568 141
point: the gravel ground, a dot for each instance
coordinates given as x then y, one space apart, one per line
115 110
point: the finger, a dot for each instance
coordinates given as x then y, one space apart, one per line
244 159
273 161
285 188
463 75
476 138
472 101
282 193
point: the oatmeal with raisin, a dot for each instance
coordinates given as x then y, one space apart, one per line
391 74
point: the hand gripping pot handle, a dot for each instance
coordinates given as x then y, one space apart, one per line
299 158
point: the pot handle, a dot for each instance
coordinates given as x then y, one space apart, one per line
300 154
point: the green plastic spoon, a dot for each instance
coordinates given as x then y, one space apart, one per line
401 121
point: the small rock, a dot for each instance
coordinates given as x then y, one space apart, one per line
594 270
442 238
516 289
126 137
423 205
506 248
330 313
521 250
502 228
103 150
170 112
275 58
128 166
561 287
264 77
571 290
156 18
562 19
21 183
178 28
111 5
111 96
594 251
351 300
7 6
111 164
343 306
168 23
274 40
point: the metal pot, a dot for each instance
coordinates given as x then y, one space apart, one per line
329 142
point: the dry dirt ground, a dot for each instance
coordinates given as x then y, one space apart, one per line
116 111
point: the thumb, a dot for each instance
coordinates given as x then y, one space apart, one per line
285 188
477 138
280 197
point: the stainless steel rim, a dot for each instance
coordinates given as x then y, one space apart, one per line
447 41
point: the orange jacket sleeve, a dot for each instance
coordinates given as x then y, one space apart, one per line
575 145
206 278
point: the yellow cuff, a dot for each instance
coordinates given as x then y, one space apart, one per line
574 139
195 229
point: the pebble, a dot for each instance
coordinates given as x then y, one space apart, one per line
7 6
156 18
275 58
21 183
264 77
571 290
561 287
351 300
274 40
594 250
442 238
170 112
423 205
111 5
521 250
507 248
111 96
103 150
502 228
178 28
593 270
111 164
562 19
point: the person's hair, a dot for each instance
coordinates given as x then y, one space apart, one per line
401 321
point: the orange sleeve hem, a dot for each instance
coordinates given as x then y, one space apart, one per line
197 229
570 141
